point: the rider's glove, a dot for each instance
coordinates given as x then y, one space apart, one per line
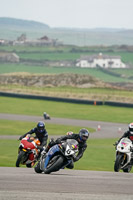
52 140
75 159
58 141
116 143
40 147
43 151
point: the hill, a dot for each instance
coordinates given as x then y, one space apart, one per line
12 28
11 23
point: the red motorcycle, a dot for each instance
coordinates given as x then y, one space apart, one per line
28 152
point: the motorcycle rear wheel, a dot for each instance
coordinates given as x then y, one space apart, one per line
20 158
55 165
118 163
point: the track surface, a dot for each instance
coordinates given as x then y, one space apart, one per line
23 183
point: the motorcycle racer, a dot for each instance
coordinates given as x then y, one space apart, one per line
40 132
81 138
128 133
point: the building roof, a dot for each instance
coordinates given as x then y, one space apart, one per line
98 56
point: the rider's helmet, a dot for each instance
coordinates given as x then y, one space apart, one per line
83 134
130 126
40 127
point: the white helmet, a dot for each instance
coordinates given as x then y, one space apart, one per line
130 126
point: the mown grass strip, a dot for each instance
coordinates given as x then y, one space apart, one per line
66 110
99 156
10 127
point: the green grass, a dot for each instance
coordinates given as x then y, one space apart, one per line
8 152
66 110
21 127
127 57
9 148
124 72
97 73
102 94
49 56
99 156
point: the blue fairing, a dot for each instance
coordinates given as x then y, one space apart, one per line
51 152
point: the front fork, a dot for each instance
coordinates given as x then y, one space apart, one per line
126 160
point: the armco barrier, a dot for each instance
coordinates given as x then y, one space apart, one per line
78 101
120 104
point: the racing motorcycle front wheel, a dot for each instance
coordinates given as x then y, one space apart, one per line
54 164
119 162
22 156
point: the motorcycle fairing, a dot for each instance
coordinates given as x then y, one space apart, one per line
50 153
68 151
27 145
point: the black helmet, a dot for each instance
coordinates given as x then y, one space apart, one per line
83 134
130 126
40 126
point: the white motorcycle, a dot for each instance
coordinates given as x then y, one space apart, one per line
124 159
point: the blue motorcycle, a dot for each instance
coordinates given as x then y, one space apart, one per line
58 157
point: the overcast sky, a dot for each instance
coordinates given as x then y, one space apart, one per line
72 13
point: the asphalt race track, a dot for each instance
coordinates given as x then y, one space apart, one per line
25 184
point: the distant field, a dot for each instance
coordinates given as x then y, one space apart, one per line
49 56
32 55
97 73
32 59
126 57
65 52
124 72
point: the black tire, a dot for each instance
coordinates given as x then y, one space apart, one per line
28 165
118 162
21 155
37 168
128 169
55 165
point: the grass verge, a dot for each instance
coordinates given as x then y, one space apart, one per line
66 110
20 127
99 156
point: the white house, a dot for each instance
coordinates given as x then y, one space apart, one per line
100 60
